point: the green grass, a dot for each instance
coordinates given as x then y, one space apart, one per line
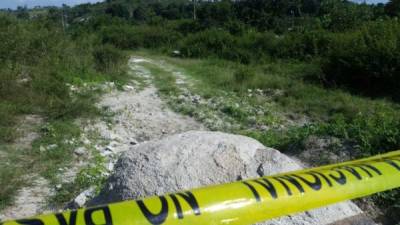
12 169
39 65
49 153
93 175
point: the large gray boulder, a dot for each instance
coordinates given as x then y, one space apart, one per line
200 158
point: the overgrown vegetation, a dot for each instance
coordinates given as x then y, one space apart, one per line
335 63
40 66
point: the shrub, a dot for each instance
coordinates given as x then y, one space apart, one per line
211 42
122 36
145 36
366 61
372 133
303 45
107 58
155 36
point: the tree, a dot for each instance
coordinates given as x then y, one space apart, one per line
22 12
392 8
118 10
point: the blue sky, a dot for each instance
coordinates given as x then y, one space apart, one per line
371 1
31 3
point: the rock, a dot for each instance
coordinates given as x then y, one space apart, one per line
109 149
182 98
196 99
24 80
51 147
85 141
133 142
128 88
42 149
176 53
260 112
110 166
263 128
196 159
80 151
82 198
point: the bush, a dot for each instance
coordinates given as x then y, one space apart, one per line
145 36
372 133
122 36
303 45
367 61
155 36
107 58
211 42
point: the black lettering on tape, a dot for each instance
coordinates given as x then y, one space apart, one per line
253 190
341 179
106 212
392 162
190 199
367 168
323 176
353 171
377 171
316 185
72 218
268 186
30 222
292 180
155 218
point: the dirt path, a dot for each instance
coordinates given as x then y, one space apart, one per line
29 200
138 115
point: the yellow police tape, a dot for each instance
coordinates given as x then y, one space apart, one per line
244 202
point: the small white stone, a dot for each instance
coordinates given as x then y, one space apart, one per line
86 141
109 148
133 142
128 88
82 198
42 149
80 151
110 166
